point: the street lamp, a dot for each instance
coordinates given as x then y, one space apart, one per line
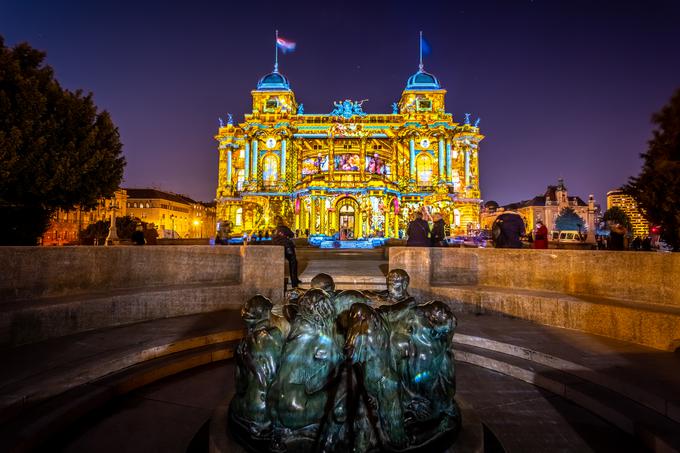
172 232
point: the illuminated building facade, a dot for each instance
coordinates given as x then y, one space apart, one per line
174 216
66 225
628 205
546 208
365 172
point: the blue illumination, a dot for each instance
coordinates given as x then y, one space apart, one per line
422 80
273 82
421 376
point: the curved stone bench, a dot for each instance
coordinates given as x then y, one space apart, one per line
630 296
48 292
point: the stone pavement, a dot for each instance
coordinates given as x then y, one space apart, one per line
167 416
629 385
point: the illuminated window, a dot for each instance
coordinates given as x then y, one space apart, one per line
270 169
423 105
271 104
424 169
240 179
456 217
239 217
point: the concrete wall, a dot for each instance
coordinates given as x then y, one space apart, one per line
47 292
633 296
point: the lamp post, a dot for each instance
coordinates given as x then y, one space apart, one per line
172 232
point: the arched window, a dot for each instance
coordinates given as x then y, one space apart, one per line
424 169
270 169
456 217
240 179
239 217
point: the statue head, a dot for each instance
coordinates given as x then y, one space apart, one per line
323 281
255 310
316 308
440 318
293 296
397 283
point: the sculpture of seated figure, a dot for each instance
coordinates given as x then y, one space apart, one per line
257 361
298 397
368 348
395 302
325 282
348 376
421 349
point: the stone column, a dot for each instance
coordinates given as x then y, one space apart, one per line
331 158
282 176
412 158
255 159
441 159
467 167
322 215
362 158
448 161
246 172
387 217
229 181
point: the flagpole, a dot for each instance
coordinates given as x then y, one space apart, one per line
420 66
276 52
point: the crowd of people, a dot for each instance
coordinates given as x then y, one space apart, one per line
421 235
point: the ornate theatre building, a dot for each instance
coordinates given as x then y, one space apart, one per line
367 173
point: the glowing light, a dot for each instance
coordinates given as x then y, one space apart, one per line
420 376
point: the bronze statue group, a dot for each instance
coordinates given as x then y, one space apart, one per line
340 371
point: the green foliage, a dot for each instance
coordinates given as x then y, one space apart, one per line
56 150
617 215
569 220
657 188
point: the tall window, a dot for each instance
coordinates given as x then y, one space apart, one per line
239 217
424 169
270 169
240 179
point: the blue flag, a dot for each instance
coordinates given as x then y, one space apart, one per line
427 49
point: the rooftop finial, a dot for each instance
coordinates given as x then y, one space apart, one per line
276 52
420 66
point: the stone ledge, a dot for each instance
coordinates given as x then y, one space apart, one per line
70 315
655 327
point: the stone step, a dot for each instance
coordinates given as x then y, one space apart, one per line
655 431
361 274
35 427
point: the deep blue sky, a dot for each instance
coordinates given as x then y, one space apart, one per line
564 88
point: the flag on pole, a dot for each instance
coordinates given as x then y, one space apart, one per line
285 45
427 49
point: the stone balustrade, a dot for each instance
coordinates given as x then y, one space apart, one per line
47 292
631 296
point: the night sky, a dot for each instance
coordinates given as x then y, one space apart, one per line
563 88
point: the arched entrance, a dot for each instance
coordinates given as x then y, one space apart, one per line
347 218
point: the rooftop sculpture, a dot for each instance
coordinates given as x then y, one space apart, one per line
361 372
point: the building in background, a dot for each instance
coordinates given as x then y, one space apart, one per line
547 208
628 205
66 226
174 216
367 173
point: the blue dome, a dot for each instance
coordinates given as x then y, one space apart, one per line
273 81
422 80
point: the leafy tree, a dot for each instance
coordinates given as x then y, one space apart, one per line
56 150
569 220
657 188
617 215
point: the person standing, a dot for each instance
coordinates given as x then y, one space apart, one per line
438 233
540 236
617 234
284 236
418 232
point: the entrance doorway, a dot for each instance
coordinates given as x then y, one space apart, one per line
347 211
